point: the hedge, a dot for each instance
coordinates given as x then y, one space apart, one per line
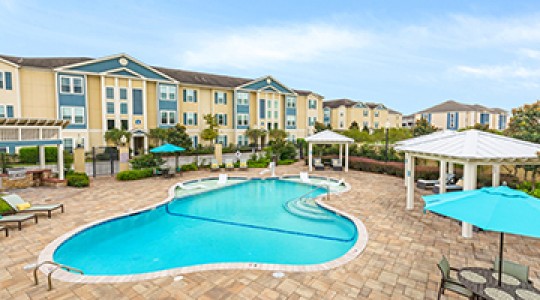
134 174
77 179
189 167
30 155
391 168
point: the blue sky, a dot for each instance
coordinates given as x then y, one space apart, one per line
406 54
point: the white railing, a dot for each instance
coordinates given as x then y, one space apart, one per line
29 134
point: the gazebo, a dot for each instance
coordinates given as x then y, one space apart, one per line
470 148
329 137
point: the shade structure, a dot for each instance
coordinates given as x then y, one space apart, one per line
500 209
167 148
328 137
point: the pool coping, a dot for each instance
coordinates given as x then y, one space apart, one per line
62 275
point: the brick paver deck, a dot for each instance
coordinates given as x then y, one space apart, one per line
399 261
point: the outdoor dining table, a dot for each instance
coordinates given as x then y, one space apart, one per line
483 282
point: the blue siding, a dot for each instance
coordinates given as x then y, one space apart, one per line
168 105
137 102
123 73
290 111
243 109
29 143
112 64
262 108
262 83
76 100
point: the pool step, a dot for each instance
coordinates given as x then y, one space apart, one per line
307 208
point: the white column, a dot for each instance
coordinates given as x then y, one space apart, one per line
341 152
450 168
442 177
495 175
346 157
60 161
410 182
310 156
469 183
407 157
41 157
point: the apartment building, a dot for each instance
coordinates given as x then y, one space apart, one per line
118 91
453 115
341 113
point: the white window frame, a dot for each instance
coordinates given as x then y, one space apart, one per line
4 110
190 119
69 149
312 104
107 88
376 114
376 125
71 84
126 106
291 121
221 140
2 80
220 119
120 93
169 113
311 121
190 95
242 119
242 99
220 97
290 102
168 90
73 117
108 103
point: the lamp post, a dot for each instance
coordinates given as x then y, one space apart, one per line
387 125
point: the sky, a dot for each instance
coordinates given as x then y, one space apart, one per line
408 55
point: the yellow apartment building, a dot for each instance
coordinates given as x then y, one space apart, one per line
341 113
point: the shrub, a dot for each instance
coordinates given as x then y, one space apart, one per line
134 174
286 162
146 161
391 168
77 179
30 155
190 167
4 207
255 162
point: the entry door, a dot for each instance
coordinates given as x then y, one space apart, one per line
138 145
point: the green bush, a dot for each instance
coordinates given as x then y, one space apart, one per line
286 162
255 162
4 207
190 167
30 155
134 174
77 179
146 161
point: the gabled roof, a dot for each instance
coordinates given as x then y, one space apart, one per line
267 83
44 62
339 102
394 112
200 78
474 145
451 105
329 137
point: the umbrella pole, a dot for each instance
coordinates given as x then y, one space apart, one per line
501 257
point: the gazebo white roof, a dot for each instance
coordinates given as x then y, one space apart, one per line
475 145
425 138
329 137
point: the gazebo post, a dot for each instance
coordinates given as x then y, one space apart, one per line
346 157
41 156
495 175
442 176
341 152
310 156
407 157
60 157
410 182
450 168
469 183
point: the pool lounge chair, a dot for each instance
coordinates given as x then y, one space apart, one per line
317 163
449 188
15 201
18 218
214 166
229 166
337 165
4 228
428 184
222 179
243 164
304 177
190 187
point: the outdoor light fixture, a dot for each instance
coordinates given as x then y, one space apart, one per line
123 140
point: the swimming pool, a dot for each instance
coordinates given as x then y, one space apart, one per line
253 223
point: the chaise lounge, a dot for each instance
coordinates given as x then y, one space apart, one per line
317 163
336 164
18 218
243 164
4 228
428 184
229 166
19 205
214 166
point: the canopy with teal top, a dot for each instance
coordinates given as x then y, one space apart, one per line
169 148
500 209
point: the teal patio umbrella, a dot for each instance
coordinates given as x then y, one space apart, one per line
169 148
499 209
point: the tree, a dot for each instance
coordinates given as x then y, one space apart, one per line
115 135
278 135
177 136
354 125
365 129
159 134
423 127
212 131
481 127
255 134
320 127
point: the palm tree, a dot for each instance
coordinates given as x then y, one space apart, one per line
255 135
278 135
115 135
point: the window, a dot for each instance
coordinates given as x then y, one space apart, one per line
221 119
73 114
275 114
190 96
269 126
451 120
68 145
341 124
110 108
2 111
123 108
291 121
190 118
222 139
376 114
168 117
71 85
292 138
194 141
110 124
220 98
242 119
268 114
290 102
312 104
124 124
123 94
242 98
167 92
1 80
312 120
366 113
376 125
365 124
6 111
269 104
484 118
275 125
327 113
243 140
109 92
276 104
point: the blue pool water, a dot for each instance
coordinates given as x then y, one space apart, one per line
246 222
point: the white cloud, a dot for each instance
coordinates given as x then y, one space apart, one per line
265 46
500 72
529 53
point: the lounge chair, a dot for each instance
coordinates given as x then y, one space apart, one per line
18 204
229 166
516 270
214 166
449 188
243 164
317 163
18 218
450 283
428 184
337 165
304 177
4 228
222 179
190 187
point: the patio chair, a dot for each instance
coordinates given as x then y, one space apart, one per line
317 163
4 228
229 166
428 183
243 164
511 268
304 177
450 283
18 218
214 166
167 173
19 205
336 164
449 188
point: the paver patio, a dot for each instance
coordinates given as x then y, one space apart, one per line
399 261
